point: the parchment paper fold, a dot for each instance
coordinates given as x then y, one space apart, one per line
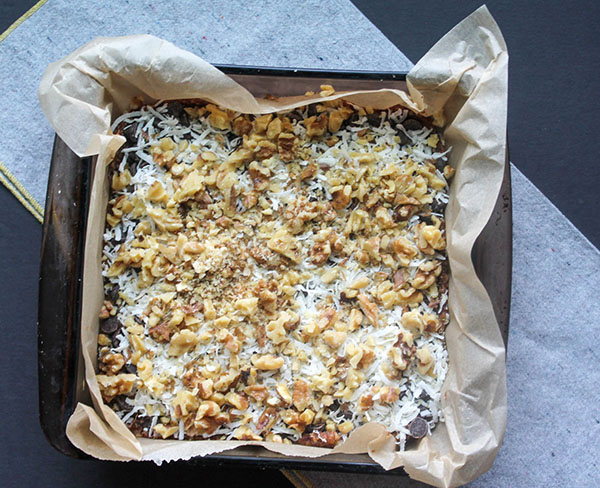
462 82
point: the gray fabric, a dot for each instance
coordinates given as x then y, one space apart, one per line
554 419
310 34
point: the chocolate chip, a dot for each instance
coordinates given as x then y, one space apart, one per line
424 396
318 427
114 341
425 415
113 293
418 428
349 121
244 375
438 207
177 110
374 119
120 403
412 124
131 368
129 134
345 410
134 163
110 325
404 139
295 116
426 218
312 110
140 425
440 164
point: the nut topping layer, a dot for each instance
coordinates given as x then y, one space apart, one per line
280 277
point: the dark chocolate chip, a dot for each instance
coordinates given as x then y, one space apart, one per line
418 428
177 110
426 218
424 396
318 427
412 124
374 119
295 116
345 409
312 110
244 375
233 137
334 405
440 164
113 293
426 416
438 207
120 403
131 368
129 134
110 325
138 424
404 139
133 163
115 342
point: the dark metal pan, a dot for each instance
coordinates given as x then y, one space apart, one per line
60 367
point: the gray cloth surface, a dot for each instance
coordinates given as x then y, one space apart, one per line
554 419
310 34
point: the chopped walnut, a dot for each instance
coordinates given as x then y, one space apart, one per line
267 362
342 197
301 396
285 244
185 403
316 126
266 419
389 394
111 364
320 253
237 400
286 144
284 393
369 308
258 392
365 402
320 439
111 386
182 342
160 332
425 362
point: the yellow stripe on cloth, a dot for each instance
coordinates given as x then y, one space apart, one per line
6 177
22 19
19 191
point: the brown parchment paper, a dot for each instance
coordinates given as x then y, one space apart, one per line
462 82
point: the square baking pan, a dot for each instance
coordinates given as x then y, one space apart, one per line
60 364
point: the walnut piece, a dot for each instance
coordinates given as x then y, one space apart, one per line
111 386
182 342
267 362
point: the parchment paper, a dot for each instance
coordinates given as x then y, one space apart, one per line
462 82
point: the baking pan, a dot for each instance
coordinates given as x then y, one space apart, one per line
60 368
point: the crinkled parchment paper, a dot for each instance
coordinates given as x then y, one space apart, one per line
462 81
